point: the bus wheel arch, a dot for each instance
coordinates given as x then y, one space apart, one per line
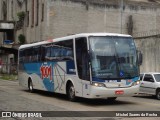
70 90
30 85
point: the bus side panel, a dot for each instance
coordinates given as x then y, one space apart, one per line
46 75
63 71
40 74
51 76
23 78
86 88
59 75
32 69
73 77
22 75
37 82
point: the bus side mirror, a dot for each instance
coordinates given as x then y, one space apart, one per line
140 57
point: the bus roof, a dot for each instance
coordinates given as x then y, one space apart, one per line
71 37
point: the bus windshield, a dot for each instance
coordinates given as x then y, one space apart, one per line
113 57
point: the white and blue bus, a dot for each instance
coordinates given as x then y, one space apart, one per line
89 65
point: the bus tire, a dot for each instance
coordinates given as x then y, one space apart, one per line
30 86
111 98
158 94
71 92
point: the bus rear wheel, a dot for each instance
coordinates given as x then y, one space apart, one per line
71 92
30 86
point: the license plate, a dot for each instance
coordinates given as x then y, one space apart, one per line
119 92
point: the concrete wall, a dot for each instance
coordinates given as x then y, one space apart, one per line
150 48
34 32
67 17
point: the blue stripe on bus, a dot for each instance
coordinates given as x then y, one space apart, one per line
31 68
97 79
49 85
128 81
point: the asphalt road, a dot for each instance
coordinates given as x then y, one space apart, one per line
16 98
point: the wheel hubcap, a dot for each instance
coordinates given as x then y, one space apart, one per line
71 92
30 86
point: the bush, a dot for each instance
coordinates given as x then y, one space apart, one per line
21 39
21 15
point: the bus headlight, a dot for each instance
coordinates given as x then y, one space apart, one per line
136 83
98 84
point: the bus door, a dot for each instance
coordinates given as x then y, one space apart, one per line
82 61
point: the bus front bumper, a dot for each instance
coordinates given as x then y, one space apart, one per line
103 92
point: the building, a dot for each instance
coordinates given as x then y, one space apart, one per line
29 21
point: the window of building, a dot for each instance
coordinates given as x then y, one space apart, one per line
4 10
12 8
42 19
32 13
27 18
37 15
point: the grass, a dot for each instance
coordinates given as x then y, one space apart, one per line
8 77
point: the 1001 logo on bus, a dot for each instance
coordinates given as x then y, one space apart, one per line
46 71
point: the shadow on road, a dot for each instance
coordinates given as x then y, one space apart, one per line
84 101
102 102
146 96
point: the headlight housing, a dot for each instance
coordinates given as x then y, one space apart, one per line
98 84
136 83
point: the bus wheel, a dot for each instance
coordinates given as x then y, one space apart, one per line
111 98
30 86
71 92
158 94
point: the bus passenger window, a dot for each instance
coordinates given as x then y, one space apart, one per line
47 53
42 54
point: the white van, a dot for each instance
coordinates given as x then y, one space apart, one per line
150 84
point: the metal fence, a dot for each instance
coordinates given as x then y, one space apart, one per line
8 68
